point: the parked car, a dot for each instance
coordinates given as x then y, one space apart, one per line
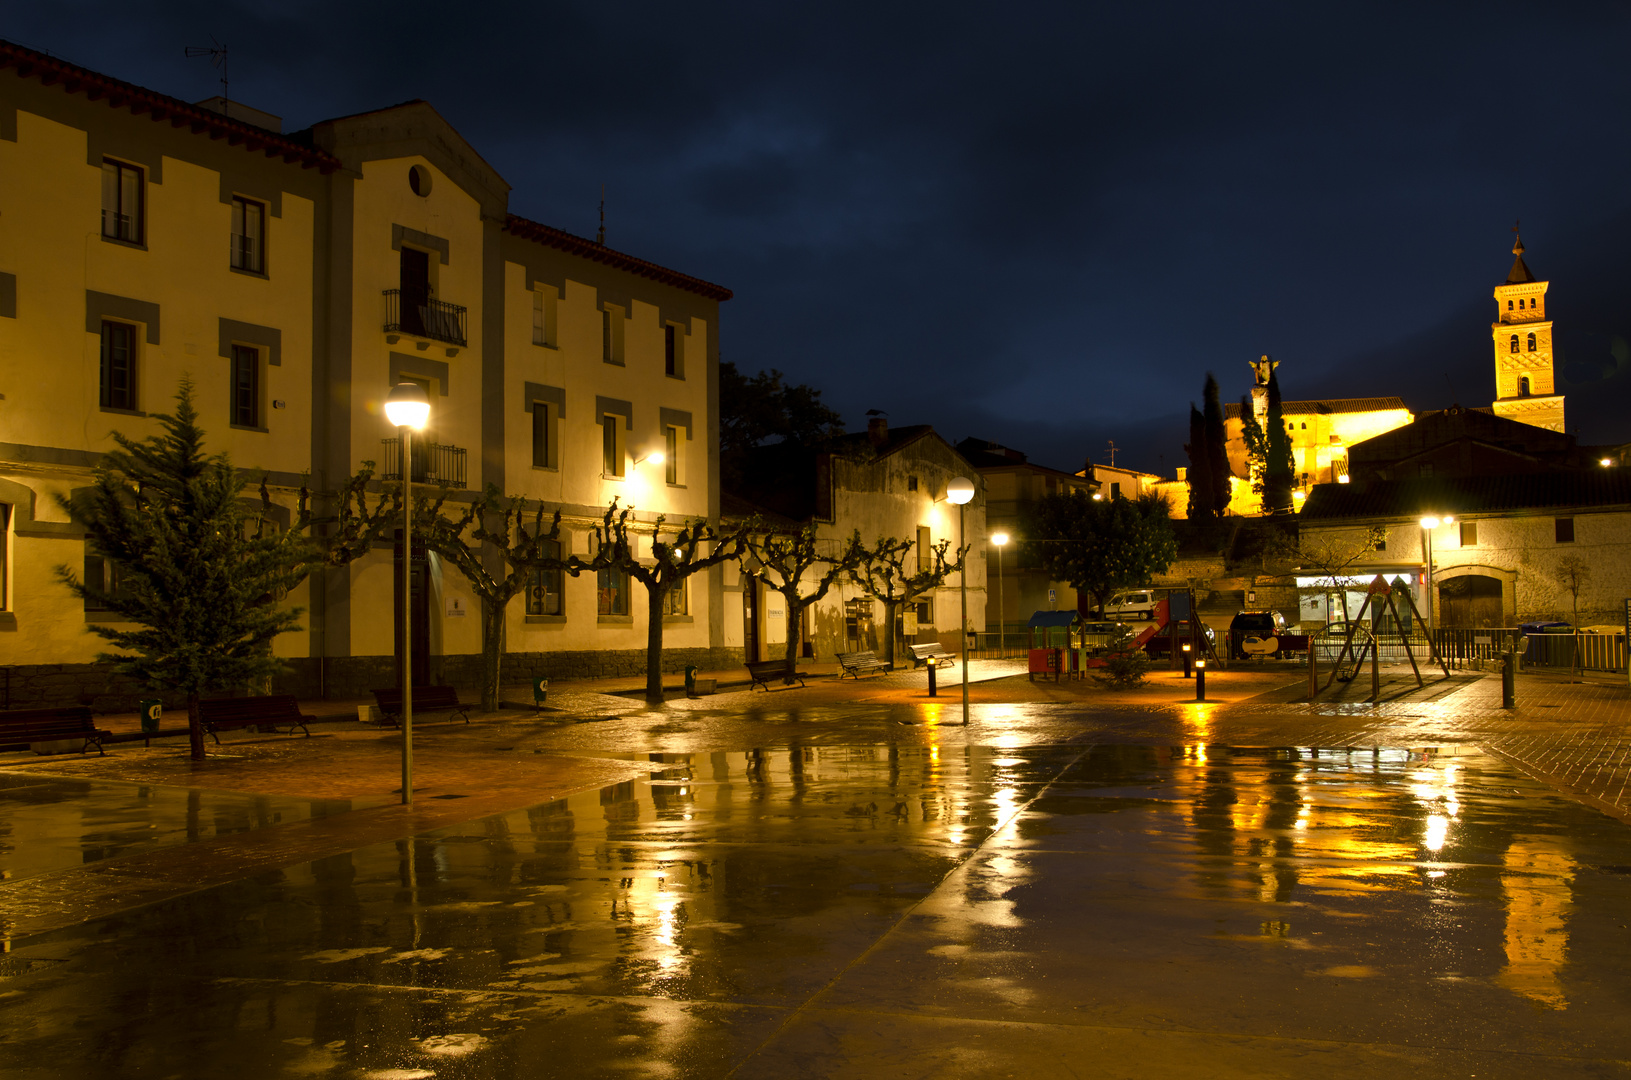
1097 636
1262 634
1136 604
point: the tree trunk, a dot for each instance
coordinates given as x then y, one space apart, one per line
195 727
492 652
654 642
889 607
795 628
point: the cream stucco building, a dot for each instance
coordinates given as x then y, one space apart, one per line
296 278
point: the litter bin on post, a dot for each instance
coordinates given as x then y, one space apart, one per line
152 709
540 691
691 681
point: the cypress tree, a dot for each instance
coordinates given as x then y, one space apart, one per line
1202 496
1217 449
1257 447
1279 471
200 579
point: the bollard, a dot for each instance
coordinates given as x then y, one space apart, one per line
1189 672
1313 673
1200 678
932 690
1509 663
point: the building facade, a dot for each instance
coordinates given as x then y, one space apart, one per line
1011 483
295 278
881 483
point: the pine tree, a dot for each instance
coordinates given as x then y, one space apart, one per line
1217 451
1202 499
1279 470
199 577
1257 445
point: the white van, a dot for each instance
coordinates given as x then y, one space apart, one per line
1135 605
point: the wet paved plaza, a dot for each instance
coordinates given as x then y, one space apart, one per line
888 898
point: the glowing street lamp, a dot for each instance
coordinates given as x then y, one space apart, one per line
1000 539
408 409
959 491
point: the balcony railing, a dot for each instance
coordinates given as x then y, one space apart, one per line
410 311
432 463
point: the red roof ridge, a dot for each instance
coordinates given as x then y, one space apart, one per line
562 240
74 79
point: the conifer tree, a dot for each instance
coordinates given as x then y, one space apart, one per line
1279 470
1217 447
1202 500
1257 445
199 579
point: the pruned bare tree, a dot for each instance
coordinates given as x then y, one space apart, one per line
795 565
881 571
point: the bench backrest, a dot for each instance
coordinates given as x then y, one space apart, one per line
754 665
429 697
77 716
232 708
857 657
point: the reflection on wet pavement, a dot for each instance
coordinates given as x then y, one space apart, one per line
895 909
48 823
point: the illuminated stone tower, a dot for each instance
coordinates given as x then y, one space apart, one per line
1524 383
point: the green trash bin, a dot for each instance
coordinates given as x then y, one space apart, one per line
691 681
152 710
540 691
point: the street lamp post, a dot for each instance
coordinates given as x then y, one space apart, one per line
408 408
960 490
1001 541
1428 524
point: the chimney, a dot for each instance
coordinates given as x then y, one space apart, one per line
1183 473
877 432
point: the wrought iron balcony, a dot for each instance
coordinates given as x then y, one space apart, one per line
411 311
432 463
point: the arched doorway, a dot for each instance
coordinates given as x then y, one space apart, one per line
1471 600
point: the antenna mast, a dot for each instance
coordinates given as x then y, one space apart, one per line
217 53
600 237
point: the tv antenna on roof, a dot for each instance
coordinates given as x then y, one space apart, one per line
600 237
217 53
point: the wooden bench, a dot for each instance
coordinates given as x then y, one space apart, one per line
860 663
275 711
28 726
932 653
426 699
762 671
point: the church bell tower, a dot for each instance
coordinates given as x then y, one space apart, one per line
1524 368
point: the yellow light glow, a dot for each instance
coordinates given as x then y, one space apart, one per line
1438 830
656 457
1606 462
1429 522
999 538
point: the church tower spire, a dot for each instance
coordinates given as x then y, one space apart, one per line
1524 360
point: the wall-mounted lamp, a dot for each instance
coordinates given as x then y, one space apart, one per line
656 457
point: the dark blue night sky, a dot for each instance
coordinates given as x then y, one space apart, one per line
1036 224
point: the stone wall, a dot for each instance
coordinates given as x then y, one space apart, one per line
45 686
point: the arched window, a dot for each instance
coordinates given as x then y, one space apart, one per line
1523 386
1514 342
1531 342
1509 305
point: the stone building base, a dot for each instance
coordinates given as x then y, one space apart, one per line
46 686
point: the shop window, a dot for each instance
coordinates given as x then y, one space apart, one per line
677 600
612 592
546 594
